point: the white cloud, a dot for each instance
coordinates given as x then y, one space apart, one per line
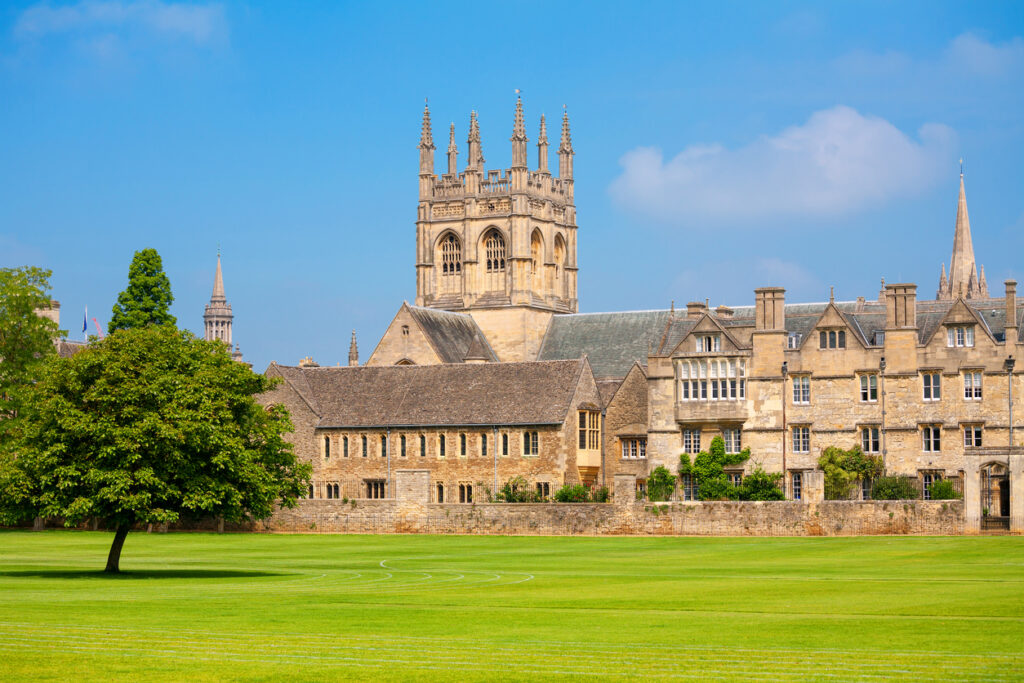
199 24
977 56
838 162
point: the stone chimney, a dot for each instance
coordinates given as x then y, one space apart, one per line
770 308
724 312
308 362
696 309
901 306
769 337
900 346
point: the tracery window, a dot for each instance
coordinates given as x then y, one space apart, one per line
451 256
494 246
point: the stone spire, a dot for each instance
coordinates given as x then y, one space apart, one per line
218 318
353 351
519 137
453 152
426 144
943 283
476 154
963 273
565 152
542 147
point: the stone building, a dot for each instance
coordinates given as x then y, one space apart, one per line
218 318
926 384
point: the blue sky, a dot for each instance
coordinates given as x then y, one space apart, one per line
719 147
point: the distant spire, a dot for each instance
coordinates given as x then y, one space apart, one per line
566 146
218 284
982 285
519 153
831 295
476 153
353 351
519 126
943 283
963 273
542 146
453 152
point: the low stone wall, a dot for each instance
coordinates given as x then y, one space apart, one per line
782 518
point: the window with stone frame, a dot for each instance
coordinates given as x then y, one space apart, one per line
801 439
801 389
931 383
465 493
383 445
441 446
691 441
483 444
439 493
462 445
423 446
688 487
960 336
543 490
327 448
401 443
714 379
589 431
832 339
869 387
634 449
735 477
451 255
870 441
344 446
928 477
931 438
972 385
731 437
365 446
531 443
793 340
504 444
376 488
797 484
310 491
972 436
709 343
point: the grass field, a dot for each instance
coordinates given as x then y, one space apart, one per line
317 607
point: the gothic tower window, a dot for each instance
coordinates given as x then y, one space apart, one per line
559 266
536 259
495 250
451 263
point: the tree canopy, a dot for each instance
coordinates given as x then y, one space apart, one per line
26 338
147 299
845 468
151 425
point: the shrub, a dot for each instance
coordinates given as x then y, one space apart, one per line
572 493
943 490
894 488
708 470
660 484
517 490
760 485
600 494
845 468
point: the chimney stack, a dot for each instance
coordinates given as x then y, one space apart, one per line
901 306
696 309
770 308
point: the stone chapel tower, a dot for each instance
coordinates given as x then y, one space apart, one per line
218 317
498 244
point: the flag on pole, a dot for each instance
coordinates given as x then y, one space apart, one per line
85 324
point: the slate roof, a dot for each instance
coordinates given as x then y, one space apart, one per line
535 393
452 335
611 341
66 348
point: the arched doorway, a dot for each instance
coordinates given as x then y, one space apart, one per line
995 497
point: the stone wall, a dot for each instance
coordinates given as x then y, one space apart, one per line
782 518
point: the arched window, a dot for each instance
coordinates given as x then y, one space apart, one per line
451 255
494 246
559 266
536 261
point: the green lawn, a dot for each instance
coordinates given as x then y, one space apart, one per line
318 607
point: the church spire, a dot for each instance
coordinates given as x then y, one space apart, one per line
426 143
218 285
453 152
218 318
963 272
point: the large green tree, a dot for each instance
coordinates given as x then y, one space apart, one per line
147 299
26 339
151 425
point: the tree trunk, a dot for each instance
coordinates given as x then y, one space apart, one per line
114 558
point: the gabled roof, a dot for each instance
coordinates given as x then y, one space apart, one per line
452 335
611 341
713 323
536 393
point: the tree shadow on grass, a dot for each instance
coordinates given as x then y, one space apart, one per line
128 574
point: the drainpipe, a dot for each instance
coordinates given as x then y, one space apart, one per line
604 412
387 451
494 450
785 372
881 388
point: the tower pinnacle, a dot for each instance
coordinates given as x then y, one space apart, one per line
453 152
565 152
519 137
426 144
542 146
963 272
353 351
476 154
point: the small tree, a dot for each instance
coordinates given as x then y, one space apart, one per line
708 469
760 485
572 493
661 484
845 468
944 490
517 490
894 487
26 342
148 426
147 299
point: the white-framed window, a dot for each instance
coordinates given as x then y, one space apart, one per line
633 449
960 335
972 385
709 343
691 441
832 339
798 485
801 439
879 340
972 436
714 379
531 443
688 487
793 340
589 430
801 389
927 479
932 383
732 440
735 477
869 439
868 388
931 438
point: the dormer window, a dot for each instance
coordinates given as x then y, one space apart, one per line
960 335
793 342
708 343
832 339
